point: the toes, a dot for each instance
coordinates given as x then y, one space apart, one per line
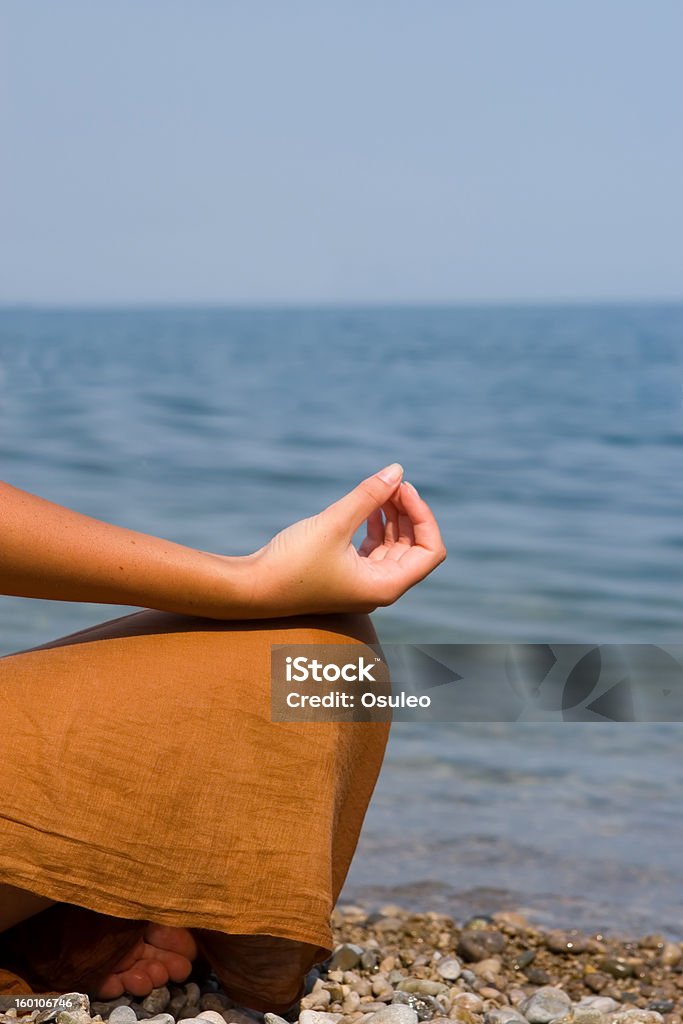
137 981
177 940
157 972
111 987
175 966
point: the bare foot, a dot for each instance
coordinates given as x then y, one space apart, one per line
163 954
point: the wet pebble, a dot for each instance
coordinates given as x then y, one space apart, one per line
565 942
523 959
616 966
425 1006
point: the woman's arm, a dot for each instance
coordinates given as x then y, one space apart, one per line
47 551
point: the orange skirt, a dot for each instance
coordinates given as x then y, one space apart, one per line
143 780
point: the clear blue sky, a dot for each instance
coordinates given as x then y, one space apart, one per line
362 150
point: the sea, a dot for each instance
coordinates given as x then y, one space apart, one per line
549 442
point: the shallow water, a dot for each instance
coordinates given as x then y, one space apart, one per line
549 442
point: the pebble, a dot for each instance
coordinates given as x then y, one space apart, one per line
537 976
449 968
636 1016
603 1004
122 1015
468 1001
163 1018
211 1015
671 954
427 988
214 1001
488 992
503 1015
317 1017
425 1006
565 942
545 1005
616 966
523 959
394 1014
480 943
192 994
596 980
157 1000
346 956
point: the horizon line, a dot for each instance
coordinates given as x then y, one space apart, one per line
342 304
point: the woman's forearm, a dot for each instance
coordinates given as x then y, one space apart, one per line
47 551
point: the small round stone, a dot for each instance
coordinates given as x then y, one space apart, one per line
595 980
449 968
346 957
565 942
504 1015
214 1001
211 1015
157 1000
318 1017
192 994
122 1015
616 966
394 1014
468 1001
480 943
545 1005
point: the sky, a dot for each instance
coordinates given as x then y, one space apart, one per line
363 151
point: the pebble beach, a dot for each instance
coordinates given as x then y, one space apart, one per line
393 966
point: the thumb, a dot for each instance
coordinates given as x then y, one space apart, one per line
353 509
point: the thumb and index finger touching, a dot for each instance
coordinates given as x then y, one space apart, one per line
351 511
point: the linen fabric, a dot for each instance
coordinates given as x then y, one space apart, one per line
143 780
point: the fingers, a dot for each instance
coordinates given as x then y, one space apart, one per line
405 513
375 533
354 508
424 525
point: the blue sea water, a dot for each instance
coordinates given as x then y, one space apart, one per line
548 441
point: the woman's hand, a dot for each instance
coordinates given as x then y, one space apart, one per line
313 566
51 552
